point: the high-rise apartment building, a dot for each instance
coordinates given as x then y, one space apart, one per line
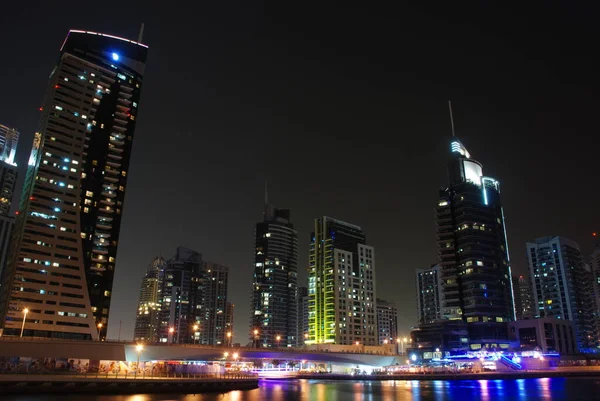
429 294
274 286
9 138
213 304
562 285
595 265
473 251
302 313
147 319
180 297
523 298
341 285
63 253
230 309
387 322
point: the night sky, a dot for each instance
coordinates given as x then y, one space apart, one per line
343 111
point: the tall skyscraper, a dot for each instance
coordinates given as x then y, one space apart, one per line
302 319
9 138
473 251
595 264
230 309
429 294
180 297
274 286
213 304
147 319
523 298
341 285
63 253
562 285
387 322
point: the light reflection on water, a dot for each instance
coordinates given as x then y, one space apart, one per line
392 390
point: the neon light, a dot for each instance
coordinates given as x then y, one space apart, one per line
512 290
108 36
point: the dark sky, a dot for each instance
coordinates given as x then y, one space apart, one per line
343 110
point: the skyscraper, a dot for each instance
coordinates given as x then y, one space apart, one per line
274 285
302 313
180 297
9 137
429 294
562 285
62 259
473 251
230 309
147 319
213 304
341 285
523 298
595 264
387 322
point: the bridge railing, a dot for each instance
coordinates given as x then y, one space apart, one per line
133 375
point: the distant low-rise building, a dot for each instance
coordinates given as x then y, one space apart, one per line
548 334
387 322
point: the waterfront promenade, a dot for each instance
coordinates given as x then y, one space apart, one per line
125 383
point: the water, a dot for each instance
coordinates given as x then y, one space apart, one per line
573 389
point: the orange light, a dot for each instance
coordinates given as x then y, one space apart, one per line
56 86
16 212
594 234
41 108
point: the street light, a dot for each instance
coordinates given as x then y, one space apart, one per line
229 338
99 330
195 331
256 337
139 348
235 357
398 346
25 312
278 338
226 354
171 331
385 342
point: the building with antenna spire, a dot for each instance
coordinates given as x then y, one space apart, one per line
473 251
274 286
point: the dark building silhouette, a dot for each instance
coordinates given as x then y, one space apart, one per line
523 298
147 318
274 286
473 252
387 322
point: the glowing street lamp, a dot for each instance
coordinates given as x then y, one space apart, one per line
139 348
229 338
235 358
171 334
99 330
25 312
278 338
195 331
256 337
385 342
226 354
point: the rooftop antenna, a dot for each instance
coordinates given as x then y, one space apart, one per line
451 115
141 35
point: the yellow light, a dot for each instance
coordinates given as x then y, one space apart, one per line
226 354
229 334
195 327
235 356
25 311
99 325
139 347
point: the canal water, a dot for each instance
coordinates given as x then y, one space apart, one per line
572 389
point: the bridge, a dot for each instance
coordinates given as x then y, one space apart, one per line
129 352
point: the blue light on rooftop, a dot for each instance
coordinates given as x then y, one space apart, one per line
115 56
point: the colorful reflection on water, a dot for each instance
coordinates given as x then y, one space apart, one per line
576 389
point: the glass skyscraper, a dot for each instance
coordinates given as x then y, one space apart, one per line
147 319
473 251
63 251
275 282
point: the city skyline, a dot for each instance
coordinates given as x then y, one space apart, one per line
524 179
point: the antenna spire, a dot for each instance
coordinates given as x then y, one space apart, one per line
451 117
141 35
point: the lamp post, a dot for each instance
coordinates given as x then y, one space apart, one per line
256 337
404 340
229 338
99 330
305 338
278 338
25 312
171 331
195 331
235 358
139 348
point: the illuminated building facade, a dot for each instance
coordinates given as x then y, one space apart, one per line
473 251
213 304
387 322
341 285
523 298
9 138
274 286
563 285
63 253
147 319
429 294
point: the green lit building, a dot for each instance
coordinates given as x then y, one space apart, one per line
341 285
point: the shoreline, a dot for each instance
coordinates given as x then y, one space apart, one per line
538 374
56 384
